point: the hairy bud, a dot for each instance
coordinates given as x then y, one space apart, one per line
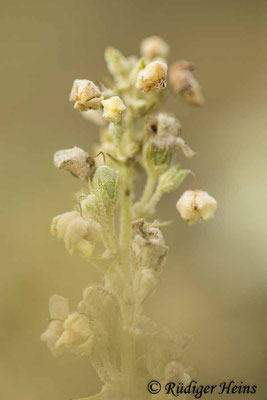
105 184
76 161
196 205
153 76
86 95
113 109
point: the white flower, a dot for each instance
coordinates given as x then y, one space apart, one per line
86 95
78 233
152 76
113 108
59 310
77 335
184 83
154 47
76 161
196 205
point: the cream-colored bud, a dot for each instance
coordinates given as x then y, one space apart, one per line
174 372
113 109
86 95
76 161
154 47
59 311
172 178
196 205
58 307
184 83
51 336
60 223
77 335
76 231
153 76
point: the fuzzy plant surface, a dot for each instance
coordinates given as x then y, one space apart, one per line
115 230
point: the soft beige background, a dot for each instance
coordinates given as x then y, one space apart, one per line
214 287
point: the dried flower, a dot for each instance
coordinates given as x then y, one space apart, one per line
196 205
153 76
86 95
59 310
113 109
149 246
76 161
154 47
184 83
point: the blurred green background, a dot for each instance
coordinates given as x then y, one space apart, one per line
214 286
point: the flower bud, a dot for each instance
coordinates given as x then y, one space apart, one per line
154 47
149 246
78 233
58 307
153 76
76 161
156 157
86 95
172 178
77 335
59 310
196 205
105 184
113 109
89 207
184 83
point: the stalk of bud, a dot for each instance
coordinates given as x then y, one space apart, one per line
196 205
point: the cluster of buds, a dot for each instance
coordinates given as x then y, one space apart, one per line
108 324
